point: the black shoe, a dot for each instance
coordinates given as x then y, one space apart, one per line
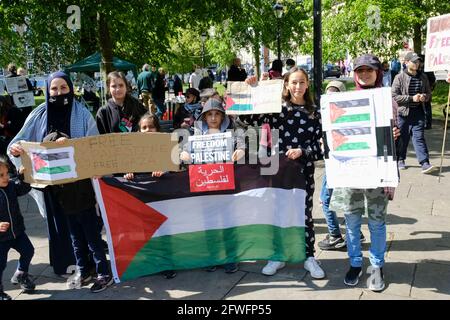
332 243
3 295
25 282
101 283
231 267
169 274
352 276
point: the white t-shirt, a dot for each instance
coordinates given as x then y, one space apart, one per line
194 80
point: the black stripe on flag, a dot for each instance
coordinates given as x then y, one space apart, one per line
53 156
175 185
352 103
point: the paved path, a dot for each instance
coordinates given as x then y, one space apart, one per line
417 260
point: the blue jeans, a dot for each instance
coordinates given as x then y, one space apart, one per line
23 246
160 107
84 228
413 125
377 228
330 215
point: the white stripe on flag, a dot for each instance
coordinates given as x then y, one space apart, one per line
273 206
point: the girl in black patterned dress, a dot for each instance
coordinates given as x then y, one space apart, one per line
300 130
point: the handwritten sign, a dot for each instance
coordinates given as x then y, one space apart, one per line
23 99
16 84
211 177
98 155
246 99
437 49
211 148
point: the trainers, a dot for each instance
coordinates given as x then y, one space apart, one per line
352 276
312 265
376 279
231 267
427 167
169 274
101 283
79 281
332 243
24 280
3 295
272 267
401 165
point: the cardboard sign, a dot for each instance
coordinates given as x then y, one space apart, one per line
437 49
23 99
246 99
359 143
16 84
51 163
211 148
211 177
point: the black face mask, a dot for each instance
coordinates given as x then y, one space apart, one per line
63 100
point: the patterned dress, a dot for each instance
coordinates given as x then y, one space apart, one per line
298 129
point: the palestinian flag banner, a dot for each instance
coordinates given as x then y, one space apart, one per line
157 224
53 164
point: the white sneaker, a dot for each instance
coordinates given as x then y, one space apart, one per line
314 269
272 267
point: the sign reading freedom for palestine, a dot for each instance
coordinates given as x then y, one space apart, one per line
50 163
437 49
211 148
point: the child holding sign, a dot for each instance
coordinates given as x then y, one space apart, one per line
299 127
149 123
214 120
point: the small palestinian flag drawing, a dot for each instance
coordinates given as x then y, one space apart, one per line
351 139
53 164
350 111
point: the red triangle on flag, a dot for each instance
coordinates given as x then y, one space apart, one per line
335 112
38 162
132 224
229 102
338 139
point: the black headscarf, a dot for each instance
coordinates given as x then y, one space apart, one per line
59 108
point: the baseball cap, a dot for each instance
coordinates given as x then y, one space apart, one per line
337 84
368 60
213 104
412 56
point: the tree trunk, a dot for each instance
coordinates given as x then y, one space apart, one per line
256 54
105 44
417 38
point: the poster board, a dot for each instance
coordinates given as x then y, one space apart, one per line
23 99
211 177
16 84
211 148
360 151
243 98
51 163
437 49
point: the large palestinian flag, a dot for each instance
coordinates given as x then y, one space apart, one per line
156 224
